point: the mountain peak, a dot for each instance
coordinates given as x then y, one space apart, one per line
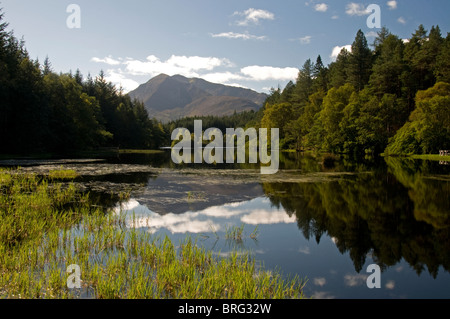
168 98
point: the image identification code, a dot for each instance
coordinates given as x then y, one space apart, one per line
226 309
246 308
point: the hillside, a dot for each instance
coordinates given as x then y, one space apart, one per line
171 97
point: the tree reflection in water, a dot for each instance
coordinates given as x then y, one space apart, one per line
401 210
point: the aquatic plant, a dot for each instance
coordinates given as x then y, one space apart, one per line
46 227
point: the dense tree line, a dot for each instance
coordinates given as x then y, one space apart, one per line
404 216
243 120
394 98
42 111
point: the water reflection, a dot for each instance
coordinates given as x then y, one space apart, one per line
324 222
217 218
395 214
402 213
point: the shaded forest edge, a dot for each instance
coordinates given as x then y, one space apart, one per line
392 99
48 113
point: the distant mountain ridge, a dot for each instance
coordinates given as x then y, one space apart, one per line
169 98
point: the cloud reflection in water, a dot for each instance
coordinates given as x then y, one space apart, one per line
258 211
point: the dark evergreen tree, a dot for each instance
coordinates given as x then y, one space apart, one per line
47 67
320 75
442 69
304 85
360 62
389 66
338 71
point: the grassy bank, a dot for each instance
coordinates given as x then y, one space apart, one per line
428 157
46 226
432 157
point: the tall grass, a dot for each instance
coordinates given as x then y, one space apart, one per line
46 227
62 174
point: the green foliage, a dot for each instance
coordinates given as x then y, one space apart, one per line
360 62
428 128
442 71
62 174
360 104
45 227
404 215
47 112
331 115
388 67
222 123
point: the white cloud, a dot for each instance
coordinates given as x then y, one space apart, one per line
392 4
203 221
390 285
306 39
119 79
335 17
236 85
184 65
320 281
321 7
337 49
355 280
127 71
371 34
197 62
399 269
305 250
261 217
233 35
222 77
108 60
401 20
264 73
322 295
356 9
254 16
303 40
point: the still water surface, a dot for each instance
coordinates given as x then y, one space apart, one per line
326 224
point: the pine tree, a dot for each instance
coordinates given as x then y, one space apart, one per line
338 71
421 54
381 37
320 75
388 67
442 69
288 92
78 77
425 60
304 85
4 84
360 62
47 66
3 26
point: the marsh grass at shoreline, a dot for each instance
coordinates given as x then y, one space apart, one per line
47 226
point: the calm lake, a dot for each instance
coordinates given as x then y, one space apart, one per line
326 224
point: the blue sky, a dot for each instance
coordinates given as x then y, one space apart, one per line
255 44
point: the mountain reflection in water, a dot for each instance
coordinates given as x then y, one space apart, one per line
326 224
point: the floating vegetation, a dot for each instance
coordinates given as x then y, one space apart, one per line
62 174
46 227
